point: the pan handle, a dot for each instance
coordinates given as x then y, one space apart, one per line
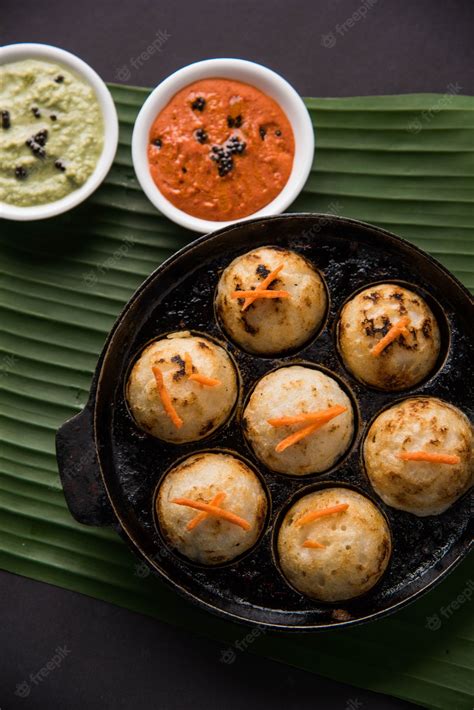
79 470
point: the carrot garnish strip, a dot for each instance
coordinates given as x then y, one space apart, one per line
315 514
203 380
260 293
262 286
166 399
196 377
321 417
429 457
188 365
294 438
217 500
397 329
215 511
313 544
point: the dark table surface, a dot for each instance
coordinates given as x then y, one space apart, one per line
113 658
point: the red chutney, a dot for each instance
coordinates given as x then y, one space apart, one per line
221 149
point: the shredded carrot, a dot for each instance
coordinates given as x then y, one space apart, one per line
397 329
320 417
295 437
430 457
313 544
217 500
203 380
260 293
188 365
262 286
166 399
215 511
196 377
314 514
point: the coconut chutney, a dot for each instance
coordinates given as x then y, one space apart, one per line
51 132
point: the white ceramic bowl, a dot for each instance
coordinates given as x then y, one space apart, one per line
45 52
240 70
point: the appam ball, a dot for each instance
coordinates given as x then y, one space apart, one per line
292 391
419 424
354 546
202 477
201 408
271 326
368 317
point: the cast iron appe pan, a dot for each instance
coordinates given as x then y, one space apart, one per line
110 469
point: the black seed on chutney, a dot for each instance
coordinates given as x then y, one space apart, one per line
263 132
235 145
201 135
198 104
225 166
184 170
60 165
157 142
234 122
36 112
53 117
6 119
222 155
278 132
41 137
21 172
37 149
59 79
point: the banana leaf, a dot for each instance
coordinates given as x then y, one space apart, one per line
405 163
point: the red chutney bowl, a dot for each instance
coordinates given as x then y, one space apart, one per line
210 177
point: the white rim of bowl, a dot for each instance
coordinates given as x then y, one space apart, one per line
47 52
261 78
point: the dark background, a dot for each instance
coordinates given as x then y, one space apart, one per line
119 659
402 46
